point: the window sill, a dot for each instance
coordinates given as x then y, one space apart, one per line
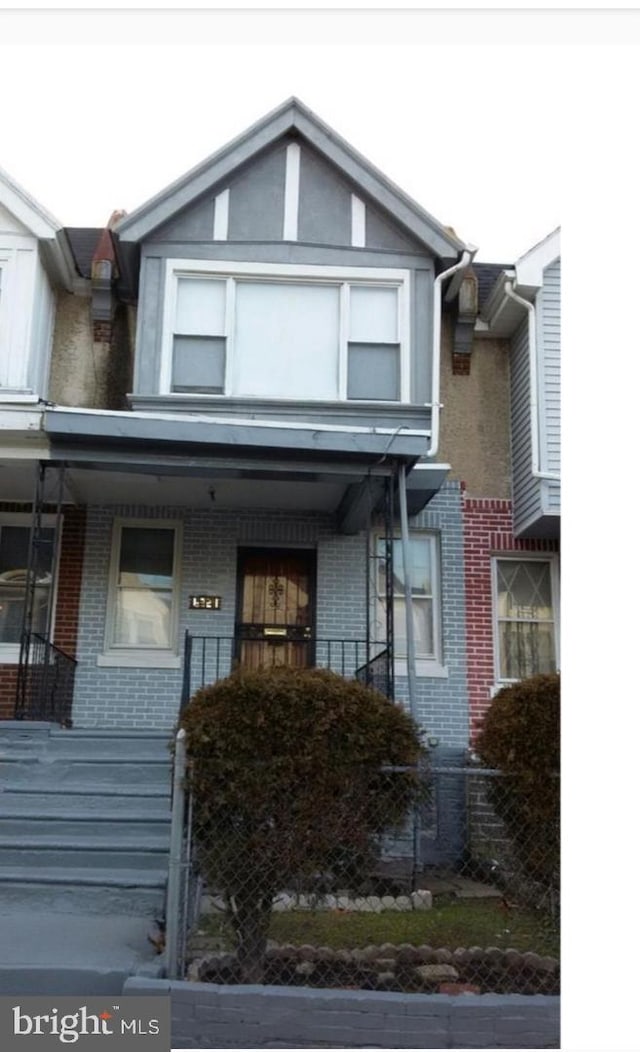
139 659
424 669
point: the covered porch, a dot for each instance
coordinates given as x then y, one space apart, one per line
325 496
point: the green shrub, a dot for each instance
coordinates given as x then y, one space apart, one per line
285 772
520 736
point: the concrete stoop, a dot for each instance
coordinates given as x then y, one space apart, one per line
84 847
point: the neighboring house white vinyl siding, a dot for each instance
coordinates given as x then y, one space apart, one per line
549 351
26 317
526 488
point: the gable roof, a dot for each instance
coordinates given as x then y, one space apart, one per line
294 117
56 254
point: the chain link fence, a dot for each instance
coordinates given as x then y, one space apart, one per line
430 879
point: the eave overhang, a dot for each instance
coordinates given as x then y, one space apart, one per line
122 434
55 250
291 118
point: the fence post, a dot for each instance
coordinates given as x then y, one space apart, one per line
174 883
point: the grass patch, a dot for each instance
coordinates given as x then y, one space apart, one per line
475 922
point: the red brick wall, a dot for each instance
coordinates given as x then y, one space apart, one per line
68 600
488 530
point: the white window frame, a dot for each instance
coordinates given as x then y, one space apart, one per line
428 667
519 557
10 652
142 657
343 277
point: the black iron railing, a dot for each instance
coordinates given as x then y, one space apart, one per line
210 658
45 686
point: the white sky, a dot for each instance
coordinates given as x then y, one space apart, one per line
503 124
465 111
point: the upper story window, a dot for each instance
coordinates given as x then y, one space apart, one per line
289 331
525 621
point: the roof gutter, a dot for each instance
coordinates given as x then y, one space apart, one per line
536 471
467 256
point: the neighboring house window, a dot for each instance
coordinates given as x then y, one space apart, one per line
142 600
290 331
524 617
14 560
425 600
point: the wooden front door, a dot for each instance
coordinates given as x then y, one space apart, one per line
274 625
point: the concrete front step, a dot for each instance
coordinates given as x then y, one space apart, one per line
45 854
71 772
84 819
102 826
76 890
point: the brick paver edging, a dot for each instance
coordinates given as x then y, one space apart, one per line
207 1016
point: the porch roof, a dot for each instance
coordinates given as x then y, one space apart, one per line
170 459
114 436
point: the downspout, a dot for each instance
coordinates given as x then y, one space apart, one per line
408 591
551 476
467 256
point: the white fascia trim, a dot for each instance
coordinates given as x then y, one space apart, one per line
531 266
358 222
291 193
221 216
250 422
18 399
26 209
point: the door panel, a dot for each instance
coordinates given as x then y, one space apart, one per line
275 611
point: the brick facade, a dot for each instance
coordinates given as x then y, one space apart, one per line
68 596
488 530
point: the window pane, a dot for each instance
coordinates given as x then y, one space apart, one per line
421 569
526 649
422 628
143 618
373 314
287 340
146 557
199 363
374 371
14 557
200 307
524 590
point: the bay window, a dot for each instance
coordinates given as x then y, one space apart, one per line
287 331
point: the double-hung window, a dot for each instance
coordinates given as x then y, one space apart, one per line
286 331
525 622
15 533
425 601
142 603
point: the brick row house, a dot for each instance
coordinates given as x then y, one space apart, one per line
277 414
